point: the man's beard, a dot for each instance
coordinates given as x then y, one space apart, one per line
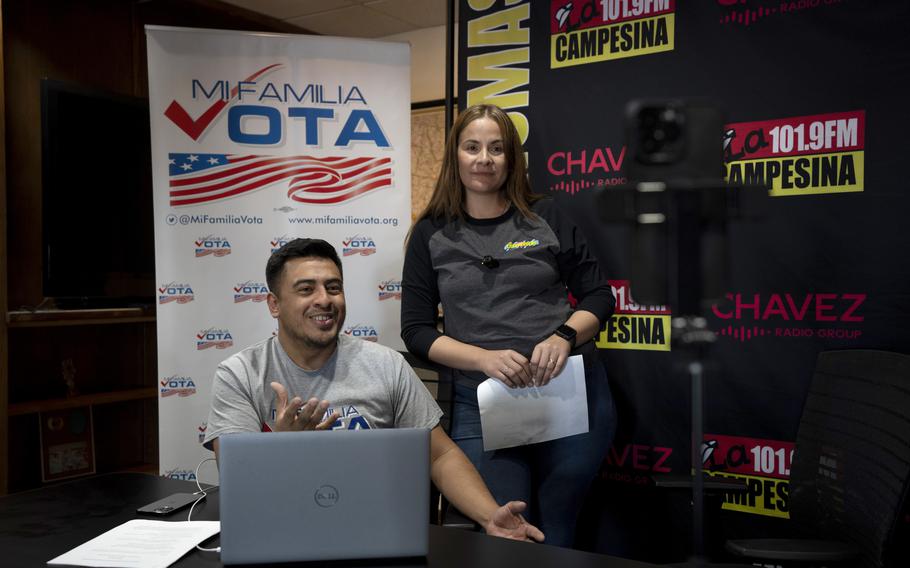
318 342
314 343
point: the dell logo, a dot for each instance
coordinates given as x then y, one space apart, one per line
326 496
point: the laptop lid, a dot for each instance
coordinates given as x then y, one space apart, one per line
327 495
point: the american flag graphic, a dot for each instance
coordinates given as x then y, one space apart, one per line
238 298
179 392
223 344
204 178
181 299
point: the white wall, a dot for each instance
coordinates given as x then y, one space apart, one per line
428 62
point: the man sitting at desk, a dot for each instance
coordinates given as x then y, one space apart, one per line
371 386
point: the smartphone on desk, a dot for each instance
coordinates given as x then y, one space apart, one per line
170 504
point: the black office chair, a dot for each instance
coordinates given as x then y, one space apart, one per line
851 465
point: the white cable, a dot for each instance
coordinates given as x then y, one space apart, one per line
203 493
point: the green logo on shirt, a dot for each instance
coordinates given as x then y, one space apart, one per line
514 245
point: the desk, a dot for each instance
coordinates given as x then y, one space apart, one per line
38 525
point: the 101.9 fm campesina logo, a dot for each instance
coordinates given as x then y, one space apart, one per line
801 155
764 466
634 326
592 31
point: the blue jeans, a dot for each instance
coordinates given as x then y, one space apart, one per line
551 477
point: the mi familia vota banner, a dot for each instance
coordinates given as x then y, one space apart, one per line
258 139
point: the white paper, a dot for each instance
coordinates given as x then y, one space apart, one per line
517 417
140 543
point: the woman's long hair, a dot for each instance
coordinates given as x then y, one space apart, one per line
448 195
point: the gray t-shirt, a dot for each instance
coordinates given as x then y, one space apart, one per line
513 302
367 384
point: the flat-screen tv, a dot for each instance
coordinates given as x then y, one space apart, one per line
97 212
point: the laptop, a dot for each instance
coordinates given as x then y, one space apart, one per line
327 495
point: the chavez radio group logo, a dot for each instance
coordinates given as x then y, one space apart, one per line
179 292
764 465
747 316
591 31
749 12
634 463
634 326
801 155
586 168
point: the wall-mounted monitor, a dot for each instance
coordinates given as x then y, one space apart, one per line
97 213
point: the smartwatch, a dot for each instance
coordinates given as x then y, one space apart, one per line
566 333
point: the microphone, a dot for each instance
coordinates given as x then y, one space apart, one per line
489 262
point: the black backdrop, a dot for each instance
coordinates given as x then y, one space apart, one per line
825 268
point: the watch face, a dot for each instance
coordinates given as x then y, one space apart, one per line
566 333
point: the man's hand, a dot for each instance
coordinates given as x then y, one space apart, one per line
295 415
510 367
507 522
549 358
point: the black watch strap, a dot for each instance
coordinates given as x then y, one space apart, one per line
566 333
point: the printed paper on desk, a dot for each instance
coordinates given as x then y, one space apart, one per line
517 417
139 543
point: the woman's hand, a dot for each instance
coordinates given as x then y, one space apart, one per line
510 367
548 359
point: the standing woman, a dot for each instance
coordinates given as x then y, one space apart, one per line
501 261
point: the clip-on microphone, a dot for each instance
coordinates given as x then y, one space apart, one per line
489 262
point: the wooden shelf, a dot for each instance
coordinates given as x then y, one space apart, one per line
33 406
49 318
